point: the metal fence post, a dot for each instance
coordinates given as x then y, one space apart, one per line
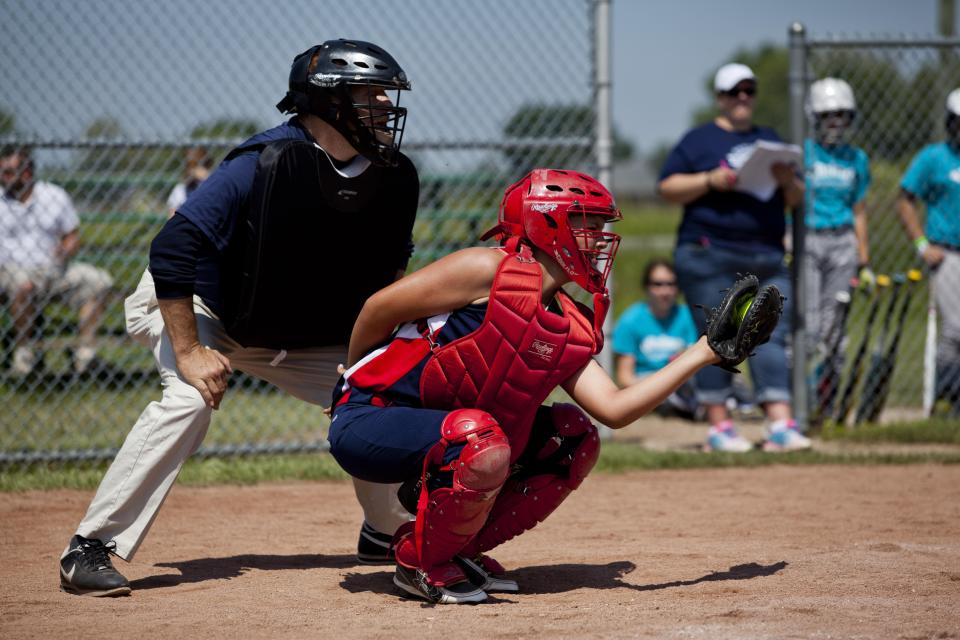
603 148
798 63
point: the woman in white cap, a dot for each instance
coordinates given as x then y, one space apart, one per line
837 177
724 232
934 178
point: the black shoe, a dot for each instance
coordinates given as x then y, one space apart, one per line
482 577
374 547
414 582
86 570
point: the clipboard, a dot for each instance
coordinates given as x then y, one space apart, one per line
754 176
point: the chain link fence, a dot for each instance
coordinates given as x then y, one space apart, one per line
112 98
873 354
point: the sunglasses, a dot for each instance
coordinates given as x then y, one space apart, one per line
736 91
662 283
837 115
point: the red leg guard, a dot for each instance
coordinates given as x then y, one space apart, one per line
448 518
528 499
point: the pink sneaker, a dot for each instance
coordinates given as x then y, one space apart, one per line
724 437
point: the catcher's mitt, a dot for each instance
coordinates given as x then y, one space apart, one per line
746 317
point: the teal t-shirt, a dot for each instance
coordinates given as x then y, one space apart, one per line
652 340
934 177
837 178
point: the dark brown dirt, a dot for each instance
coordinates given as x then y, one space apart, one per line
778 552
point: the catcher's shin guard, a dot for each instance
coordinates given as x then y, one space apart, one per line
555 470
449 517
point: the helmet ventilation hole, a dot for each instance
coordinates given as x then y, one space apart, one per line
554 187
577 190
550 221
340 62
362 64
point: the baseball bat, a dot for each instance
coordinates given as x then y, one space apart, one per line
829 379
873 380
930 354
853 377
890 358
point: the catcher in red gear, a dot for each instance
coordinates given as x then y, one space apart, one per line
448 369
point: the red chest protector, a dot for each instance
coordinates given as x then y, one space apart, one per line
517 356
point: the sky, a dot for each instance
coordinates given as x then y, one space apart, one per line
161 67
664 51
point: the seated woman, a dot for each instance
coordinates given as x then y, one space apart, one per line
449 403
651 333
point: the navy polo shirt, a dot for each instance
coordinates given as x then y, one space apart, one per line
728 219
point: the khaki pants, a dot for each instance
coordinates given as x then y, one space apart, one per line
169 431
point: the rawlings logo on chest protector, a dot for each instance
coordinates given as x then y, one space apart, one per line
543 349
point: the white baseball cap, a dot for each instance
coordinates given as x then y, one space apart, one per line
730 75
953 102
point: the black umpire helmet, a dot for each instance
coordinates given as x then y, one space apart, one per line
321 83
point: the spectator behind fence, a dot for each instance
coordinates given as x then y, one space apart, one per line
837 177
934 178
196 167
724 232
264 269
39 236
652 333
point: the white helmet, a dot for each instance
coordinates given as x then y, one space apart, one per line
953 102
832 94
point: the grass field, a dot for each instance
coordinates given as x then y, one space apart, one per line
615 457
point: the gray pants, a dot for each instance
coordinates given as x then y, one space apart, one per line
829 264
946 293
169 431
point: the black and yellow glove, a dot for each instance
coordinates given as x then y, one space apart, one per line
744 320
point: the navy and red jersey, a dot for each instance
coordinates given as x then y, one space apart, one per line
389 375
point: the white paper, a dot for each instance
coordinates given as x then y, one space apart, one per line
754 176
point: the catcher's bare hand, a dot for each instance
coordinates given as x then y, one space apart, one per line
207 370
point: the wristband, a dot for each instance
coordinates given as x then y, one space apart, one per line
921 244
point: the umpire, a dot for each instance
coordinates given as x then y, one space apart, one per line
249 275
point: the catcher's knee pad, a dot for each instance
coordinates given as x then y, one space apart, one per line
556 469
449 517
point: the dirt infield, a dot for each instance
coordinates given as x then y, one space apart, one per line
838 552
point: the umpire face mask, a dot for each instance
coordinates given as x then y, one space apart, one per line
382 118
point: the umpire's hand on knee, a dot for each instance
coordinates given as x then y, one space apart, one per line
207 370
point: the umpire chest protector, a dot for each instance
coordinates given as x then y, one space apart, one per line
516 357
311 245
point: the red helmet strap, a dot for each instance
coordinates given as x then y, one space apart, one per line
601 304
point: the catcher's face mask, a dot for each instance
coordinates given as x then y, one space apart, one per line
564 213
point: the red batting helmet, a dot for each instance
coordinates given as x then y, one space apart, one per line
539 208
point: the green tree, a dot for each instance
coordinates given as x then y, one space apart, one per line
225 128
771 65
538 123
7 122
